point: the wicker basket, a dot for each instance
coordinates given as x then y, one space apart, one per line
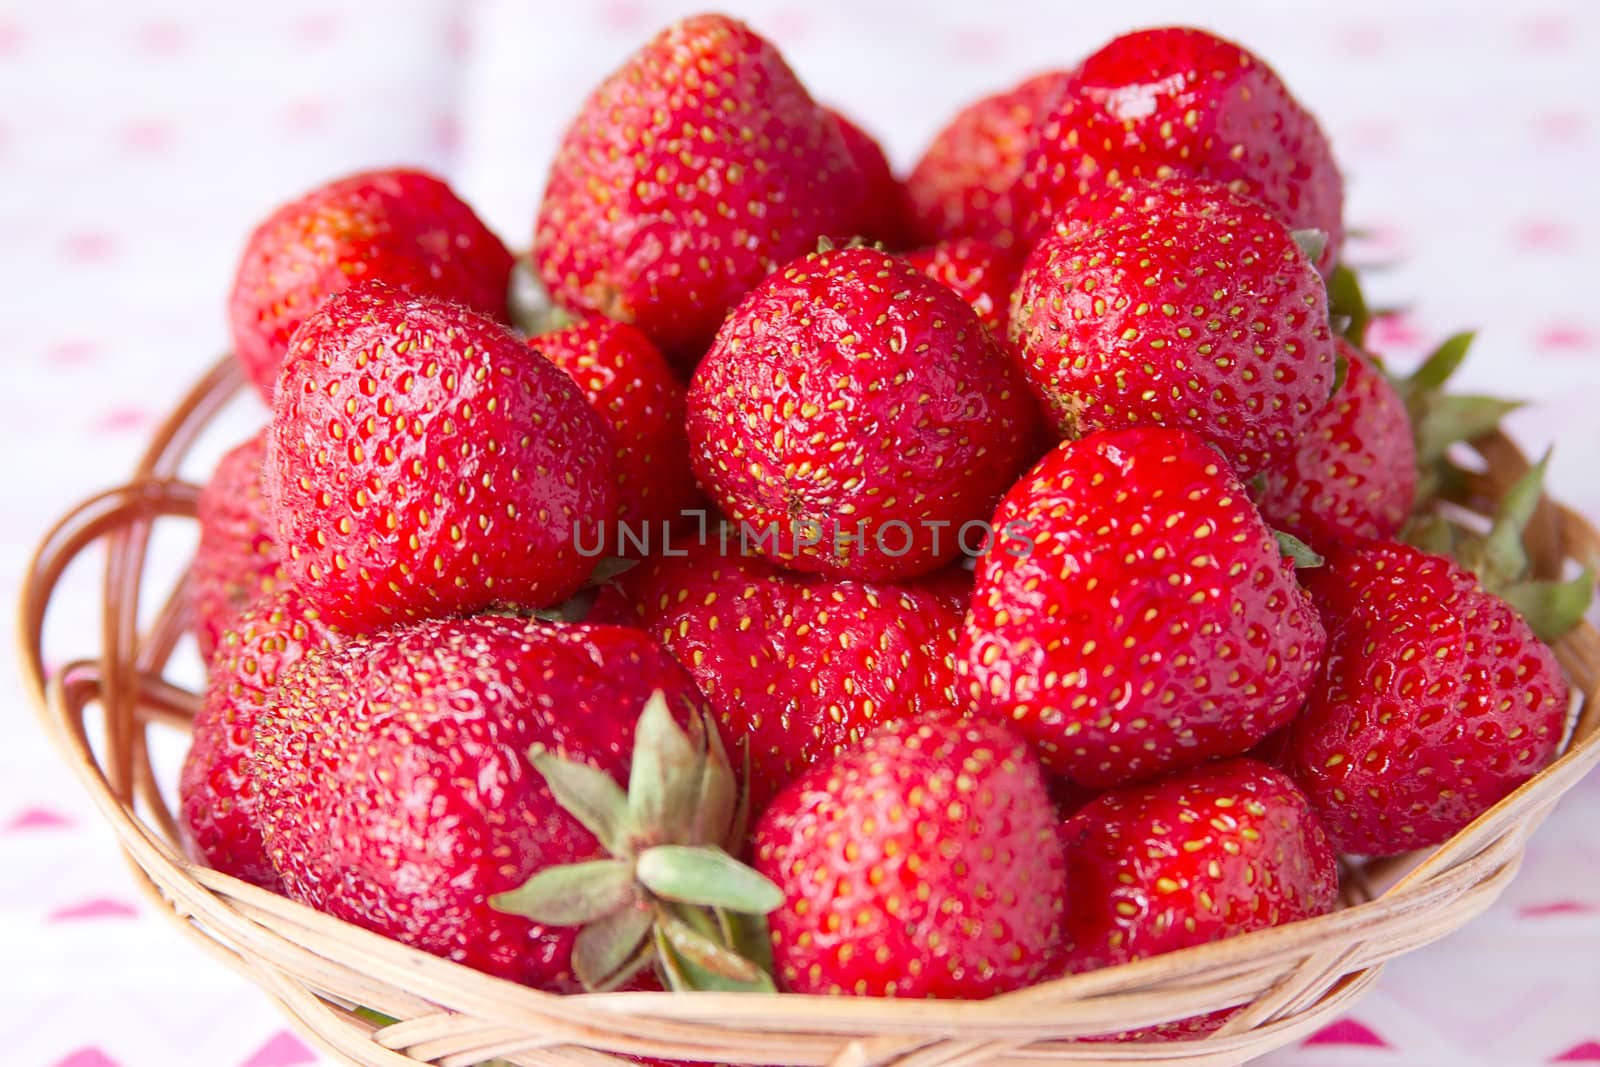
1292 979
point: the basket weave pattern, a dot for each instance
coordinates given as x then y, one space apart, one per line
1290 980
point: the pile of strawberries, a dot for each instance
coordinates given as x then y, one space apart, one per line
843 584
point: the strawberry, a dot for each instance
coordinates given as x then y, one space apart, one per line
630 384
217 796
1354 472
1135 615
797 666
403 227
423 461
1208 853
689 174
1180 102
433 783
977 271
963 185
237 559
925 862
883 212
1180 304
859 412
1436 700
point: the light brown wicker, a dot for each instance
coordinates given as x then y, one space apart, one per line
1292 979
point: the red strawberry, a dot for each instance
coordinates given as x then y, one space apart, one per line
883 212
397 791
403 227
1355 471
1208 853
689 175
797 666
629 383
1177 304
924 863
1436 701
858 410
962 186
216 793
1181 102
423 461
978 272
1135 615
237 559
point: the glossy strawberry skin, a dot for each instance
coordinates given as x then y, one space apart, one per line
217 796
924 863
396 789
796 666
883 212
1176 304
978 272
1135 615
688 175
1212 852
1180 102
423 461
629 383
1354 474
1435 702
237 558
964 184
858 408
403 227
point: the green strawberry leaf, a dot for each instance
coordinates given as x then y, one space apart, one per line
591 796
572 894
666 772
1552 608
694 961
1438 367
1448 419
1341 373
1346 301
607 952
1503 558
1431 533
1292 547
717 797
708 877
1312 242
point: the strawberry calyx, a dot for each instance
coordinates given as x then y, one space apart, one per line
1311 242
1303 555
669 892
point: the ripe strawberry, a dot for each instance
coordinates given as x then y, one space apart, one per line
1435 702
423 461
1179 304
1354 472
689 175
796 666
216 793
978 272
963 185
1208 853
883 211
398 790
403 227
924 863
629 383
1181 102
1135 615
859 410
237 559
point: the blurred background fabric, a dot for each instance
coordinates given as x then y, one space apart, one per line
140 141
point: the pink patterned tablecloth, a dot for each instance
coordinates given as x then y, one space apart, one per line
138 141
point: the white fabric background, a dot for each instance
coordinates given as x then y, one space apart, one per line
138 142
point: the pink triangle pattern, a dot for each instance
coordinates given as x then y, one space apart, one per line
1555 907
86 1057
38 819
1347 1032
283 1050
1588 1052
98 908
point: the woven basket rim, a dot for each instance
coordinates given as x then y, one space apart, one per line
1293 978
